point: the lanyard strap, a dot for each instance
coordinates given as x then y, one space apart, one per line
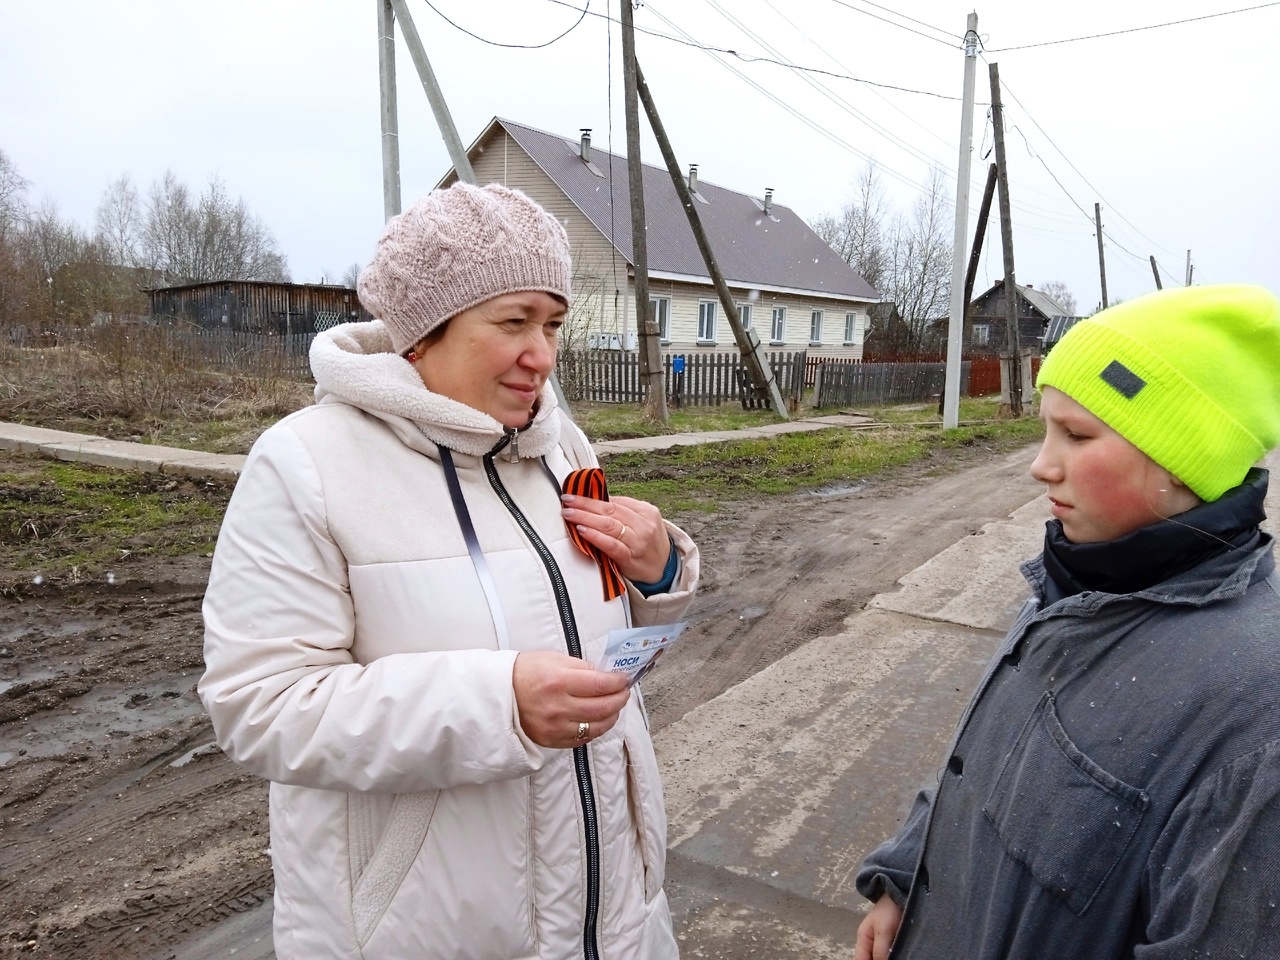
473 547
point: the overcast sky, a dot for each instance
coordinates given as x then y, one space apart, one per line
1173 130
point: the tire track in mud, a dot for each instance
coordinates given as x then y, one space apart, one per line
794 568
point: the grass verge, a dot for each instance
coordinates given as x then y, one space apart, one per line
71 522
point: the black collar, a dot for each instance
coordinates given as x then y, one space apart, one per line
1158 551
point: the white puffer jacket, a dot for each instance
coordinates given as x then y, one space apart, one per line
351 659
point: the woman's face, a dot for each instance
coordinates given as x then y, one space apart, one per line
495 357
1101 486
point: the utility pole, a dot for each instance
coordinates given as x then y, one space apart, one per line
388 12
1188 268
1102 263
655 402
1006 236
748 341
979 235
418 53
959 300
390 121
1156 270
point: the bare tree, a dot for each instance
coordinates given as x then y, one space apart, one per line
13 197
918 274
119 222
351 276
856 233
209 238
1059 291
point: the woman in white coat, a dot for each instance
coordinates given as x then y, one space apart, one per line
400 632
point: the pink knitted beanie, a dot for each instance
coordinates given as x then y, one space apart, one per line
457 248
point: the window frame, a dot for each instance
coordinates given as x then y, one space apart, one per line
707 322
778 326
663 318
815 327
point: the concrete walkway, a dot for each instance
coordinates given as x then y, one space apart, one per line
100 451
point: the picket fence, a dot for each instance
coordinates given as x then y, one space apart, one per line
699 379
841 383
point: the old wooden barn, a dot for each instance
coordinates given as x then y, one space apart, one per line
257 306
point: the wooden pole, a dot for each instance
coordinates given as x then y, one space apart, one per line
979 235
1156 272
748 341
444 120
1102 263
655 401
1006 236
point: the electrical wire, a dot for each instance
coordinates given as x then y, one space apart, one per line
688 41
1113 209
1153 26
950 43
945 33
513 46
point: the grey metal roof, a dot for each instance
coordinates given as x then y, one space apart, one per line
1042 301
1058 326
752 249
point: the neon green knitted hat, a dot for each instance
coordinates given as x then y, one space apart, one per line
1191 377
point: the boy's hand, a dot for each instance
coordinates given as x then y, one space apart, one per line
878 930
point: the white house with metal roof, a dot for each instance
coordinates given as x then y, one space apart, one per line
788 284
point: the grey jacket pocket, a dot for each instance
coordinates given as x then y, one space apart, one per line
1059 814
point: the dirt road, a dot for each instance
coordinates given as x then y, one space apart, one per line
123 834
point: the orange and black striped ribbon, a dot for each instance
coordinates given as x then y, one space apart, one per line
590 483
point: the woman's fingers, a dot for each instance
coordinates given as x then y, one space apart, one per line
630 532
556 695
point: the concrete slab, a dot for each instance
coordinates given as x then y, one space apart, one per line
976 581
24 439
769 780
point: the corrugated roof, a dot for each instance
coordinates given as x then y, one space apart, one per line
1042 301
752 249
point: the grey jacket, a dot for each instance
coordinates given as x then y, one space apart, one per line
1113 788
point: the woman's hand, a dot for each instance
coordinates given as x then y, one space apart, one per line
628 531
557 694
878 930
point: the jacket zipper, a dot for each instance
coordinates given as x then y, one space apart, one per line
581 760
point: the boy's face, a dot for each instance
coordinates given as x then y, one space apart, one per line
1101 486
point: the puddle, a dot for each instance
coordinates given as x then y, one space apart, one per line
190 755
839 490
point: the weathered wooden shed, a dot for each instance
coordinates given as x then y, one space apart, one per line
257 306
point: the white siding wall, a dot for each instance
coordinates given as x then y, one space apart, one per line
599 272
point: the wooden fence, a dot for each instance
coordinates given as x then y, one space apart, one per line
841 383
698 379
257 354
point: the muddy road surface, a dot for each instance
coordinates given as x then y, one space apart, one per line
125 835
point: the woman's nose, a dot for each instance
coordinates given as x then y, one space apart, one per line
540 354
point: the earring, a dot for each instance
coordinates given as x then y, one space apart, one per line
413 357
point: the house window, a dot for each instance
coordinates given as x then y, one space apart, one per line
707 321
744 315
660 307
981 334
815 327
778 329
850 329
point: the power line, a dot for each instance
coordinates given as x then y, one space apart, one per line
513 46
688 41
1153 26
945 33
1077 169
954 42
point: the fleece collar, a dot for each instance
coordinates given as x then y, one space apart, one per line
354 363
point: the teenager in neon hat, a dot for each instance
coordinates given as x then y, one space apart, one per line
1114 788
